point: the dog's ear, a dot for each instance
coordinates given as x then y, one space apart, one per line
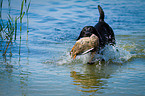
101 13
93 30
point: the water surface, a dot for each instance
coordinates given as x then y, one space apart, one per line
44 66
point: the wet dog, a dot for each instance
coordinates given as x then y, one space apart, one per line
102 30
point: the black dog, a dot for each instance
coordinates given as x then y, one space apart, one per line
102 30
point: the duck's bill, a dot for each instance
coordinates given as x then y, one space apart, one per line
74 57
87 51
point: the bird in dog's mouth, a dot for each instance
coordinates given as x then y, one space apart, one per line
85 45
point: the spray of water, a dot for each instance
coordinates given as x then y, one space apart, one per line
114 54
109 53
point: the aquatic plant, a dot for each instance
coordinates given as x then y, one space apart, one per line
8 28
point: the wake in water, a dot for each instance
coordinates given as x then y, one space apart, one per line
114 54
108 53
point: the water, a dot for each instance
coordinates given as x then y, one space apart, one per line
44 66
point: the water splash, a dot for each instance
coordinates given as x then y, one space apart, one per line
109 53
114 54
66 59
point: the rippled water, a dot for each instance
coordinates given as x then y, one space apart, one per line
44 66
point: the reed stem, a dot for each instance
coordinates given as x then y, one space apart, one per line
8 30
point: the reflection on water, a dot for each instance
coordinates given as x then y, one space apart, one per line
16 74
92 78
86 82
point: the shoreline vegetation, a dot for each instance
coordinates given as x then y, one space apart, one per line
9 26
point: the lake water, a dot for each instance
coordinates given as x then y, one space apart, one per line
44 66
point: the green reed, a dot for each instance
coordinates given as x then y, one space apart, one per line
8 30
27 17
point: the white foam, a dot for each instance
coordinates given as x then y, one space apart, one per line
109 53
114 54
66 59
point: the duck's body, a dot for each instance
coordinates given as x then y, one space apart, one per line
85 45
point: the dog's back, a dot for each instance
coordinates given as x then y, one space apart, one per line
104 30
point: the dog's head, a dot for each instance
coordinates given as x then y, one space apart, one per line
87 31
